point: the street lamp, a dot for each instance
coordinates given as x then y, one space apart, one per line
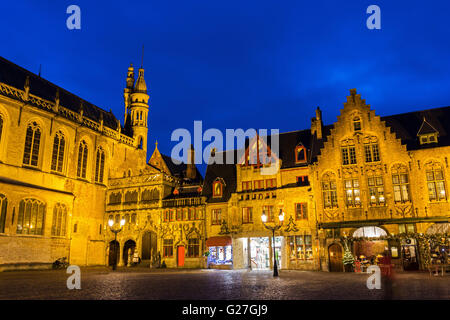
115 231
273 229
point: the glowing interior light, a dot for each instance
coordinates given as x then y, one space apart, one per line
110 222
264 217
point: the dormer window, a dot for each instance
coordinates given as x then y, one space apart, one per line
356 124
427 133
218 188
300 154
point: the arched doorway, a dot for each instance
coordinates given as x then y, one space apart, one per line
114 250
371 247
130 246
149 245
335 258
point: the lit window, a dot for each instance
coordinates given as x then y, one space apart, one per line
247 215
259 184
376 191
352 193
301 247
31 217
216 216
82 160
400 181
246 185
217 188
301 211
58 152
435 184
32 143
300 154
329 192
269 213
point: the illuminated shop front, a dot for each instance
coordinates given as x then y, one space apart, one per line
220 252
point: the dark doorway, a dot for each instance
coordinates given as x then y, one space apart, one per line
149 245
130 245
335 257
114 250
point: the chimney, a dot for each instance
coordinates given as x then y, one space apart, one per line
316 124
191 171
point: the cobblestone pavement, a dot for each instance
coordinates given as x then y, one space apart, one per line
102 283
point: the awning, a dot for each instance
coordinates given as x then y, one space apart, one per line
219 241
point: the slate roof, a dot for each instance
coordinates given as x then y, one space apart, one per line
179 171
407 125
15 76
225 171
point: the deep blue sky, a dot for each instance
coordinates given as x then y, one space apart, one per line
238 64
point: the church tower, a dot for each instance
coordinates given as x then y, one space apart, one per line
138 110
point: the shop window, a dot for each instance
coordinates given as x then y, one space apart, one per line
246 185
376 191
400 183
329 192
371 152
301 211
31 217
59 143
302 181
435 184
301 247
269 213
3 207
259 184
247 215
59 220
300 154
216 216
82 159
348 155
271 183
99 165
407 228
168 248
32 144
193 247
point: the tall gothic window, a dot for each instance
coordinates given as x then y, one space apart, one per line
59 220
435 183
82 159
400 181
352 192
31 217
3 207
99 165
329 191
32 143
58 152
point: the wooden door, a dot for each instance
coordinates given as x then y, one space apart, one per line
180 256
335 258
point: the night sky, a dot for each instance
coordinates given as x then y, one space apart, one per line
237 64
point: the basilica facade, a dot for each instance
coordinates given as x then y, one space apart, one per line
75 182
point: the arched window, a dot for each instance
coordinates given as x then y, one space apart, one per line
217 188
300 154
59 220
400 181
435 182
82 159
115 198
32 143
99 165
31 217
131 196
58 152
155 194
141 143
3 207
146 195
329 191
369 232
357 123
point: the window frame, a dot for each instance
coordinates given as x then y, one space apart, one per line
216 216
247 215
303 211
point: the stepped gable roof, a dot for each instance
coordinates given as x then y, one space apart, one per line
406 126
225 171
15 76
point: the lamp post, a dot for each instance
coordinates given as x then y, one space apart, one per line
115 231
273 229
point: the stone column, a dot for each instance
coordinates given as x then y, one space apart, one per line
249 254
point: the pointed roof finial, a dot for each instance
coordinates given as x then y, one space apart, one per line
156 144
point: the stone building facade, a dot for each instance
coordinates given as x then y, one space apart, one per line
68 169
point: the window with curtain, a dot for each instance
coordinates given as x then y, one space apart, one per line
376 191
31 217
352 192
59 220
59 144
301 211
247 215
400 181
435 184
3 207
32 144
99 165
329 191
82 159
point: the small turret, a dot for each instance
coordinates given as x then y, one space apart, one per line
128 90
317 124
191 171
139 111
